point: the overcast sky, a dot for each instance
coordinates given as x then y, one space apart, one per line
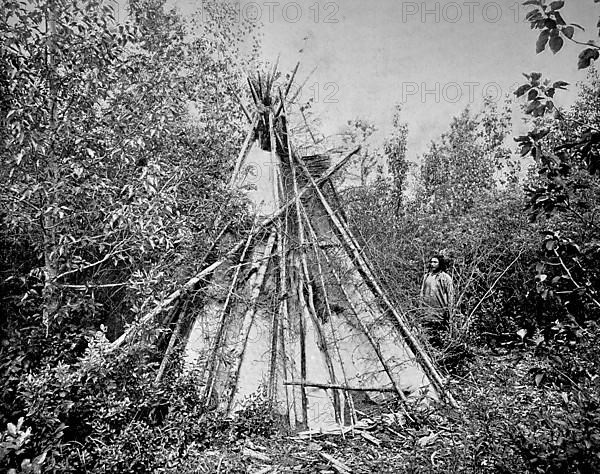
435 57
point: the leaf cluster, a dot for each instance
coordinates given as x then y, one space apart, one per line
554 30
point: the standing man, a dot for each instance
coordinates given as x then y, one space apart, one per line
437 296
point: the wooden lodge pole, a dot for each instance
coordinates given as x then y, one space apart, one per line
191 283
355 254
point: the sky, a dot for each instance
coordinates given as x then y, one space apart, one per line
433 57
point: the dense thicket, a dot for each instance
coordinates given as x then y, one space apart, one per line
523 253
117 140
116 143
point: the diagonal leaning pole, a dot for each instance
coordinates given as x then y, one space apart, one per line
191 283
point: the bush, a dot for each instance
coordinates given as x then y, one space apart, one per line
491 249
105 413
12 446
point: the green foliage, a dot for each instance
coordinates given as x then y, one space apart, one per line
568 438
555 30
470 210
103 413
468 161
564 193
394 149
115 144
12 444
559 433
109 177
368 165
540 94
357 132
257 417
490 247
116 141
564 188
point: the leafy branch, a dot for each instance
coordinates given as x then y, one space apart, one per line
548 19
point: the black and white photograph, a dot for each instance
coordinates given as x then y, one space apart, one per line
330 237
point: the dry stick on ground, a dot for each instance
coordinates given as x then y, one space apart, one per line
356 256
190 284
468 320
91 286
362 325
249 316
210 366
337 465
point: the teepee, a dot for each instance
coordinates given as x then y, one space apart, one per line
295 309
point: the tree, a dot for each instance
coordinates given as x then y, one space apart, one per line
565 147
357 132
466 161
109 176
117 141
394 149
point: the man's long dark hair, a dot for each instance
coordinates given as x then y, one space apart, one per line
442 260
